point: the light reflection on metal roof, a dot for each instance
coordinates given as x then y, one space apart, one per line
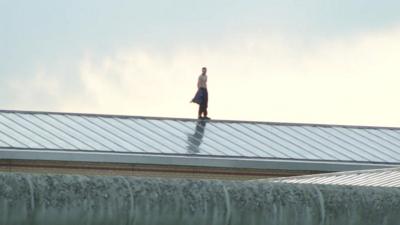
185 137
370 178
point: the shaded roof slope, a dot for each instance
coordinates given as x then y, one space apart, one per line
241 141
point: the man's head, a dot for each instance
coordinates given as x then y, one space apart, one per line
204 70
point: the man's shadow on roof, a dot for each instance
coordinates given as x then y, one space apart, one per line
195 139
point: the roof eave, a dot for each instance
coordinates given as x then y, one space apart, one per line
188 160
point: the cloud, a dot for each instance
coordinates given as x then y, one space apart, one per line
350 80
45 90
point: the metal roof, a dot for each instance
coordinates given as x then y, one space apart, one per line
93 137
370 178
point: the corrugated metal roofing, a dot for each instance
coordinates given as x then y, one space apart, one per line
371 178
69 133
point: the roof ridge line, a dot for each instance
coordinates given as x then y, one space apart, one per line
195 120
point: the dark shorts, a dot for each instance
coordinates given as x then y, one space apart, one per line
201 97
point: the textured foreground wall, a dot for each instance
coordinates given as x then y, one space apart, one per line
66 199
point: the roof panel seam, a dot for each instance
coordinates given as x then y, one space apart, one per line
63 132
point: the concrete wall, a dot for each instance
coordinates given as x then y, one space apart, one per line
27 199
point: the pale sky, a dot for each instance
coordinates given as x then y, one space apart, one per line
305 61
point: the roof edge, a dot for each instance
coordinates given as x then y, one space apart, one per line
189 160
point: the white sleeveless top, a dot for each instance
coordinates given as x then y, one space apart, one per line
202 83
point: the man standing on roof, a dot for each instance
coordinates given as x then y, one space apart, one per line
201 96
